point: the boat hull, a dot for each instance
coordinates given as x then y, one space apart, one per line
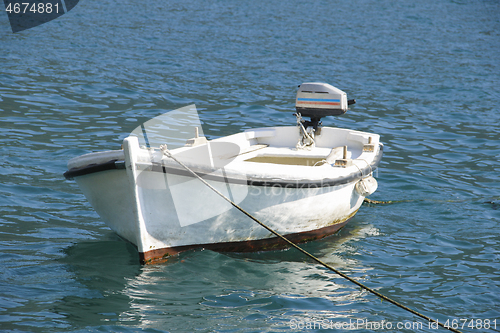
301 214
157 205
268 244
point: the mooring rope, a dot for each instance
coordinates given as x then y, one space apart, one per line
167 153
381 202
386 202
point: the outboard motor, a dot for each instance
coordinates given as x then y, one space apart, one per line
316 100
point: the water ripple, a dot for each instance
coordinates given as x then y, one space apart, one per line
425 75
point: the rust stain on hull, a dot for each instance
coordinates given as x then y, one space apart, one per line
268 244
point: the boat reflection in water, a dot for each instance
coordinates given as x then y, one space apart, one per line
204 289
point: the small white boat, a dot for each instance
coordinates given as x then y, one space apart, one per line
303 181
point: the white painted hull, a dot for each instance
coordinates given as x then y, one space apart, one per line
164 212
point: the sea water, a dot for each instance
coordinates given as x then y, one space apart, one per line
425 75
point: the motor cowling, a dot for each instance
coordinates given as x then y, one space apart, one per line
317 100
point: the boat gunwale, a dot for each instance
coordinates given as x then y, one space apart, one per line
297 183
93 168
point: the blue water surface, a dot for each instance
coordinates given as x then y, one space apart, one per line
425 75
